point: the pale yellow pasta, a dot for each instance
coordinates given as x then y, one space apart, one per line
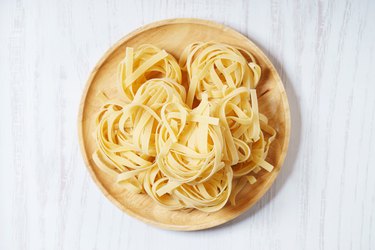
213 66
186 148
145 63
191 171
126 132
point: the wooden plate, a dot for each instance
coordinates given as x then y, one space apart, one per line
173 35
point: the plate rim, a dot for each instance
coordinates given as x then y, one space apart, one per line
92 75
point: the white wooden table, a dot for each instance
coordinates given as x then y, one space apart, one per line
324 197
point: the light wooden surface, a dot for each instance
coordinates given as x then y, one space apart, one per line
324 197
174 35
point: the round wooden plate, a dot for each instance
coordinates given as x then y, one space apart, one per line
173 35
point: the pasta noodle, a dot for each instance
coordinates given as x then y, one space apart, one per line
213 66
145 63
193 146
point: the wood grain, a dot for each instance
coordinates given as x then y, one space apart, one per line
324 196
174 35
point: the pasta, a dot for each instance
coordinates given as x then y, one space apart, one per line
213 67
145 63
191 144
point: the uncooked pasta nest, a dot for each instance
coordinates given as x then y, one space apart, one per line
191 143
